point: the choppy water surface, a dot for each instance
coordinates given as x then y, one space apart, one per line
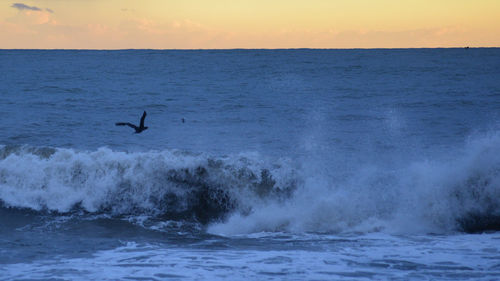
290 164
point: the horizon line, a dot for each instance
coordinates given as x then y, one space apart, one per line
229 49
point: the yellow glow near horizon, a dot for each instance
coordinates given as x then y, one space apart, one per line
200 24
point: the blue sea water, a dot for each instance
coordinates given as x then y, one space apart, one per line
257 164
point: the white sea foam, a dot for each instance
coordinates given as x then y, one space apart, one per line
156 182
363 257
261 195
425 196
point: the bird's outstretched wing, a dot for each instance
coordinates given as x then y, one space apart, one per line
142 120
126 124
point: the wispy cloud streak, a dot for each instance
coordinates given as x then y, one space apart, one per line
21 6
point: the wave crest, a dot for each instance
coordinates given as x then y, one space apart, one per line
248 193
461 193
170 184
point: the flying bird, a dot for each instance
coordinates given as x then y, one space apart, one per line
137 129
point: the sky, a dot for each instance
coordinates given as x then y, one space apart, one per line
227 24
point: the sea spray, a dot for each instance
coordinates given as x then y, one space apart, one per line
461 193
248 193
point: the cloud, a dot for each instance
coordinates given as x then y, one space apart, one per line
21 6
49 10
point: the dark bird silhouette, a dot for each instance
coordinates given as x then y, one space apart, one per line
137 129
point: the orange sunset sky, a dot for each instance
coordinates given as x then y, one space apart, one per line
221 24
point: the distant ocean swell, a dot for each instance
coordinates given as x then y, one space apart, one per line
249 193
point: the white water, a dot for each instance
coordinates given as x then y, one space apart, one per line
421 197
365 257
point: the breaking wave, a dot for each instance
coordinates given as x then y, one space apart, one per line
249 193
168 184
460 193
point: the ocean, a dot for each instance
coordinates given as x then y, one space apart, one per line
377 164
